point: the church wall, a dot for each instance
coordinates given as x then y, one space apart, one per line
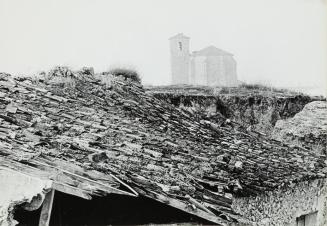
200 70
221 70
230 71
215 70
192 70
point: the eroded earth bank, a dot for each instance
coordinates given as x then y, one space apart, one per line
290 117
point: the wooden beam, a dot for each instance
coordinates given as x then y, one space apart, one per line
186 208
65 181
83 180
71 190
46 209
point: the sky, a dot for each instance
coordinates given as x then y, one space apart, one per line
276 42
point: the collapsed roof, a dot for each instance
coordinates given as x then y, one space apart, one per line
94 135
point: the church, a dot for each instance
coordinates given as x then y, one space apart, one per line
210 66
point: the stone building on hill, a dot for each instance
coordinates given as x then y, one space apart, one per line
210 66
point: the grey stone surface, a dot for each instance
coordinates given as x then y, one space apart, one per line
308 128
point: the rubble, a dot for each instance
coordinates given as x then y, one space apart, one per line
307 128
92 138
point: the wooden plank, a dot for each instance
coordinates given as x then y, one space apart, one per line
126 185
186 208
75 169
26 169
100 186
71 190
66 181
59 182
46 209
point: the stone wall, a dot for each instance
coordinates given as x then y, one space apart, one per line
199 70
213 71
231 73
180 59
216 71
221 71
282 207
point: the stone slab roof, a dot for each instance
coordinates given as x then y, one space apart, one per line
93 137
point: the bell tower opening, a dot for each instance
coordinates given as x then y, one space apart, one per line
180 46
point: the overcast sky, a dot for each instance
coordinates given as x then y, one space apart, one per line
282 42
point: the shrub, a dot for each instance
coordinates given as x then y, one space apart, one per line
126 73
224 90
254 86
87 71
60 75
60 71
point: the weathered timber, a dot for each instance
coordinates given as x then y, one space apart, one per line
46 209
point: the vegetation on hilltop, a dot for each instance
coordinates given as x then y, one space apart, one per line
126 73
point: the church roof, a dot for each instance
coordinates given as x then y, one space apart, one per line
179 35
211 51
